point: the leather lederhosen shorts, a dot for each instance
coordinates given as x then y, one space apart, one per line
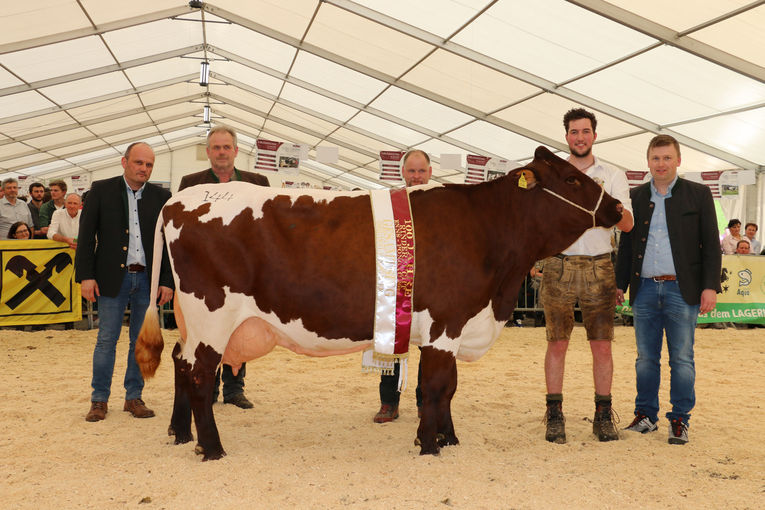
567 279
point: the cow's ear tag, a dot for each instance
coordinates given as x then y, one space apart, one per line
522 180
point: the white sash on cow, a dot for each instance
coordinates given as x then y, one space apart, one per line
382 358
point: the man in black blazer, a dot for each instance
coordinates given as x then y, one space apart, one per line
671 262
114 262
222 149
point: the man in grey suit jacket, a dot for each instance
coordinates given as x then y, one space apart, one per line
113 262
671 262
222 150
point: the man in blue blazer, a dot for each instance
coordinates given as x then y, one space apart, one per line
114 263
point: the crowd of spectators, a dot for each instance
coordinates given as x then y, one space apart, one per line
32 217
736 242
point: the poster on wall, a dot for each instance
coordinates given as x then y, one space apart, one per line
390 166
80 184
484 168
275 156
712 180
24 182
636 178
297 185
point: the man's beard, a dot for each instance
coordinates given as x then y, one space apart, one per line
584 154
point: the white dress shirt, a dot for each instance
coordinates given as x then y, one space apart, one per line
62 223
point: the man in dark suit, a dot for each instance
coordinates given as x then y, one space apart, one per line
222 149
114 262
671 262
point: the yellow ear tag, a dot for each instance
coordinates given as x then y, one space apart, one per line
522 181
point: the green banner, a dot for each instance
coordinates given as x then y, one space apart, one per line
743 295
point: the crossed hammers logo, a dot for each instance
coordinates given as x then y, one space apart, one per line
19 265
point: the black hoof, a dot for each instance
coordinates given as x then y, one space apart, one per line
429 451
213 455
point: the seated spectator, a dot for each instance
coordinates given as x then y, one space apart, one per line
19 230
743 247
729 242
750 231
65 223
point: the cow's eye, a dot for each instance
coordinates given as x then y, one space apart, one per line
571 180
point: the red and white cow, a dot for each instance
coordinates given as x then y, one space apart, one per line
258 267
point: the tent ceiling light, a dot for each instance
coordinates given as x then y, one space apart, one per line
204 73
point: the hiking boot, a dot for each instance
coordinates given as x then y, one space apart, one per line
642 424
678 431
556 422
387 413
603 424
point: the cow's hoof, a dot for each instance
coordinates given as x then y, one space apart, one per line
444 440
433 450
214 456
429 451
180 438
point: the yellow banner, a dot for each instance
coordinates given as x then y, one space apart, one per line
37 283
743 292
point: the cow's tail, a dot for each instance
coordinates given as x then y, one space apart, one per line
148 347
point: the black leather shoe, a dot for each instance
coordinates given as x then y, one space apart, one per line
239 401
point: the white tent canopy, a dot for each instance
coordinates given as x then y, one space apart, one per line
81 79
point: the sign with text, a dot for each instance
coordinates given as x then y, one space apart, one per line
390 165
743 292
281 156
484 168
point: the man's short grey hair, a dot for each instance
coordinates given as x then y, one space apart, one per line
222 129
72 195
10 180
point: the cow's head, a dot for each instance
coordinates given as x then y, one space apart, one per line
578 197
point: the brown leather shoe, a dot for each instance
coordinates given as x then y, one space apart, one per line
97 411
239 400
138 408
386 413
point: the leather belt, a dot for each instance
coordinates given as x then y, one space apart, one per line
664 278
586 257
136 268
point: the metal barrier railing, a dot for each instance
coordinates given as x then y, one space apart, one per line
528 301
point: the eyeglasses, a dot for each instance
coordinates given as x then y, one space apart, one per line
25 231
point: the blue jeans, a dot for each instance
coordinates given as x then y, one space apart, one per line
660 307
111 312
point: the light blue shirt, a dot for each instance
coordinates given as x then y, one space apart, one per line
658 251
11 213
135 247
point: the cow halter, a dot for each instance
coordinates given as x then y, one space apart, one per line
591 213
